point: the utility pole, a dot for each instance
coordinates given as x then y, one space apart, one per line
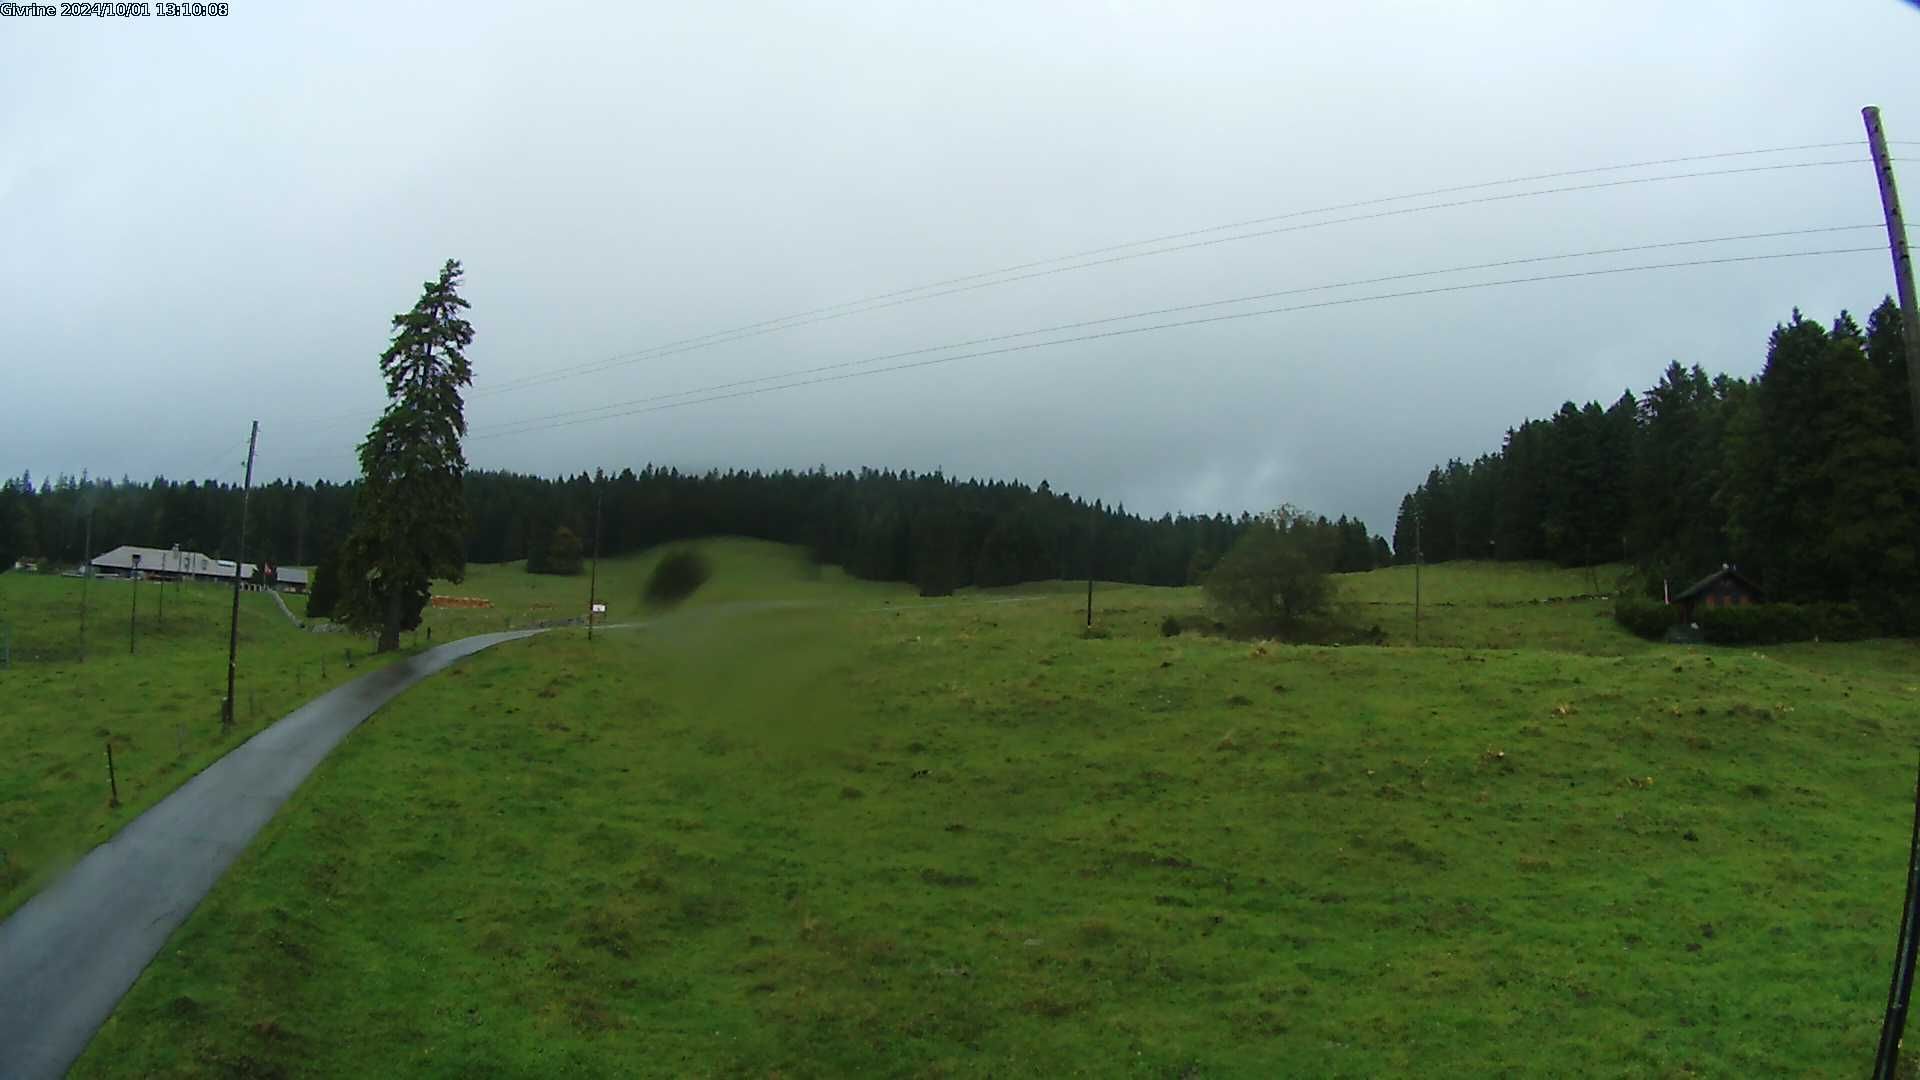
593 581
1419 555
163 590
133 618
1090 574
239 560
1907 948
1902 258
86 578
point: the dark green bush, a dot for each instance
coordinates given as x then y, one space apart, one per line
1170 626
1843 622
676 577
1775 624
562 554
324 591
1752 624
1645 618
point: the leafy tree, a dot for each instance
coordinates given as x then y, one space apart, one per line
562 555
1277 572
323 595
410 516
1201 564
676 577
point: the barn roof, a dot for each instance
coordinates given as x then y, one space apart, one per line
1725 573
162 560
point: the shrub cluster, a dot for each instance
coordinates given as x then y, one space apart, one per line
1750 624
1645 618
1774 624
676 577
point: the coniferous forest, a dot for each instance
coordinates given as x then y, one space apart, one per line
926 528
1802 476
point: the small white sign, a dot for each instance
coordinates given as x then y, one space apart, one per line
599 609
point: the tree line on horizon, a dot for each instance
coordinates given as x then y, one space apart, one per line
418 513
938 532
1803 476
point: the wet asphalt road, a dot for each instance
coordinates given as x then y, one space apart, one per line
68 954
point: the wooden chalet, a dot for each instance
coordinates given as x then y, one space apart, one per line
1725 587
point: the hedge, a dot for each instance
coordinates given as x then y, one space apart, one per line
1774 624
1645 618
1749 624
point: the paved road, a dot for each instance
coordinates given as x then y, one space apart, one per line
68 955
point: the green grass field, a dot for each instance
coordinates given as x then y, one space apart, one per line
755 571
159 707
885 836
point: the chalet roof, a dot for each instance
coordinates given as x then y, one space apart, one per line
1725 573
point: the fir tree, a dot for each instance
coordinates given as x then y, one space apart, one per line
410 516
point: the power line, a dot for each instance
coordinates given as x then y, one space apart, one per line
1244 223
1436 290
1083 261
1057 328
195 474
991 278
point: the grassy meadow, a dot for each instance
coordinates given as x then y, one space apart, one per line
755 571
158 706
874 835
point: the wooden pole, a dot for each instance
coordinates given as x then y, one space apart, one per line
113 783
133 616
1089 576
1418 556
1887 1062
239 560
593 581
1902 259
86 579
1907 948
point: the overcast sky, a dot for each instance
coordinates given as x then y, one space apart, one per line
207 221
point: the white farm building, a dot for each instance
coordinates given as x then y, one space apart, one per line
172 564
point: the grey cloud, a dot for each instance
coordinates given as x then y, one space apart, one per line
205 221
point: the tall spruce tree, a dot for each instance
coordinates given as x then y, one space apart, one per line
410 516
9 513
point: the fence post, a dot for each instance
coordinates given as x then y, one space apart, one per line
113 783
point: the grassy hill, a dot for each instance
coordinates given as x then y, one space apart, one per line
752 570
960 837
159 706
